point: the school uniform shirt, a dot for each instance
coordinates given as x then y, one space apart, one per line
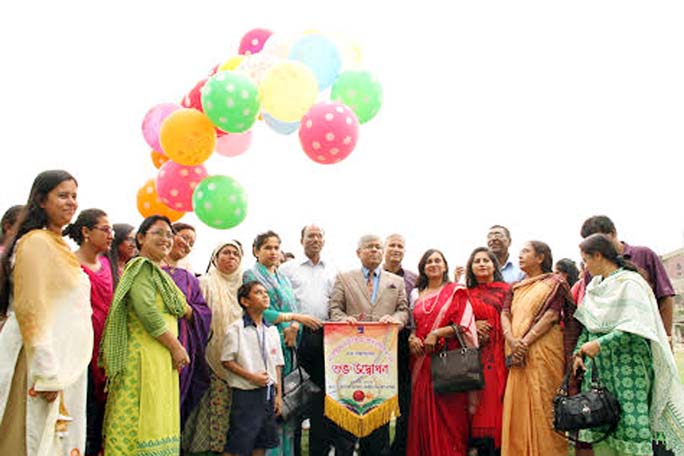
255 349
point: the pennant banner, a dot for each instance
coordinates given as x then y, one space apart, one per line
361 391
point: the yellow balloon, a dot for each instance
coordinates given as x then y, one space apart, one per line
288 90
232 63
187 137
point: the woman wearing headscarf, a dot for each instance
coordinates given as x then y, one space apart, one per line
141 353
624 334
47 341
122 250
207 426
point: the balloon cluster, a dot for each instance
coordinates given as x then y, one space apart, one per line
310 84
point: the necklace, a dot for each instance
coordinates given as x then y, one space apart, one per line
434 302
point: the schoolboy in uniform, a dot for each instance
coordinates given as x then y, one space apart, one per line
252 354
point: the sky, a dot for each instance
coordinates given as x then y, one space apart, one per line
534 115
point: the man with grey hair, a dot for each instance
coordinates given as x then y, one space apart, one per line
368 294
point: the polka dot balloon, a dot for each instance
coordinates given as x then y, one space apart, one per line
253 41
187 137
152 123
150 204
175 184
220 202
328 132
158 158
231 101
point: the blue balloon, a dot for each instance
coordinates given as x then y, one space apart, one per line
321 55
279 126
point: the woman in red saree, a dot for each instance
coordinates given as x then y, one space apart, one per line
487 292
438 424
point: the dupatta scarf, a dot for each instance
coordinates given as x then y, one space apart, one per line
114 347
625 302
220 291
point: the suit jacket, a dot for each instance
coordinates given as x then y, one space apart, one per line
350 297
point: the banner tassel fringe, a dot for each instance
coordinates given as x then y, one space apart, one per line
361 425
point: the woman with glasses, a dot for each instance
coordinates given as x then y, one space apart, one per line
93 234
193 330
122 250
47 341
141 353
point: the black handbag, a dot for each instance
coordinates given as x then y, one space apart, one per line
457 370
591 409
298 391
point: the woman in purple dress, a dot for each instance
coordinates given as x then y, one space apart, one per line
193 331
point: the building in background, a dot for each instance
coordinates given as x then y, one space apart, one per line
674 264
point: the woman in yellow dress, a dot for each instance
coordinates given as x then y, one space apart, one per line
538 350
141 353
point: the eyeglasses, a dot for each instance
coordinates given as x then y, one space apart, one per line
105 229
496 235
162 233
372 246
130 239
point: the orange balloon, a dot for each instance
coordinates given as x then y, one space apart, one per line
187 137
158 158
150 204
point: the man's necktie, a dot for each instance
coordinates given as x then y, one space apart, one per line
369 284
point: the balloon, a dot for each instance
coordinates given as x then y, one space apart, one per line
220 202
253 41
350 51
187 137
321 55
284 128
255 66
194 100
233 144
288 90
231 101
158 158
278 45
328 132
232 63
150 204
175 184
360 91
153 121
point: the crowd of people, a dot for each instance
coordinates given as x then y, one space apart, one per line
116 348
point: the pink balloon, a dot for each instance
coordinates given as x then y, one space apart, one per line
152 123
233 144
328 132
175 184
253 41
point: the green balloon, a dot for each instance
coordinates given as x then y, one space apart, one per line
360 91
220 202
231 101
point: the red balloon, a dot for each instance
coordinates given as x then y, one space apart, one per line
193 100
328 132
253 41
